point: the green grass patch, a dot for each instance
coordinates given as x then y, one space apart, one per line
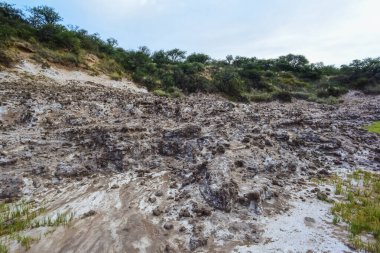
374 127
360 208
172 92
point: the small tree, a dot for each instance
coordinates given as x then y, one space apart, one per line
200 58
112 42
8 11
43 15
229 59
176 55
160 57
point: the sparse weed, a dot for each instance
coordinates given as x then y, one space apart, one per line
16 218
360 209
26 241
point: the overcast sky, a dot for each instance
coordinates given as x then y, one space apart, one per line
332 31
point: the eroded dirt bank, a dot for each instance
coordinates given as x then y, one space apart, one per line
150 174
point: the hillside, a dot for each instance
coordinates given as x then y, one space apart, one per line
110 150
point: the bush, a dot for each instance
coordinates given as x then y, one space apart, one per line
283 96
62 58
6 58
229 82
115 76
333 91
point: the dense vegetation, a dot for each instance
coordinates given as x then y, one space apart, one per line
173 72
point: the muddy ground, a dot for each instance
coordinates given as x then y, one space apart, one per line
144 173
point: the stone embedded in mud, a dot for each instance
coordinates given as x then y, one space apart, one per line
254 195
197 242
159 194
270 164
202 211
88 214
189 131
66 170
220 149
217 187
157 211
152 199
239 163
168 226
10 187
184 213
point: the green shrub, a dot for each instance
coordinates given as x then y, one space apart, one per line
229 82
62 58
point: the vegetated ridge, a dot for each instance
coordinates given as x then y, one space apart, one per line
173 72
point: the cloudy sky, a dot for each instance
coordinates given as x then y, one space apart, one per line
332 31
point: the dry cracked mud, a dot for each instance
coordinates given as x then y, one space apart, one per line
144 173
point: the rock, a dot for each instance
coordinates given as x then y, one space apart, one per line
246 140
88 214
202 211
269 163
197 242
256 130
220 149
244 201
36 183
217 188
159 194
309 219
254 195
189 131
169 148
66 170
157 211
281 135
10 187
168 226
152 199
292 166
184 213
239 163
324 172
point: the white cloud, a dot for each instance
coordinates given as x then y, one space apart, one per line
334 36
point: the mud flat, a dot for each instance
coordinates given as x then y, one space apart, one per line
143 173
